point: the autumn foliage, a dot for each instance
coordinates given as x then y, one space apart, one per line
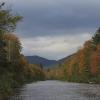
84 65
14 68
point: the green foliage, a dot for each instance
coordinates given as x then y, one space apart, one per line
14 68
8 21
96 37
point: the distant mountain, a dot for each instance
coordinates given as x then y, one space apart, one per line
45 62
60 62
65 58
40 60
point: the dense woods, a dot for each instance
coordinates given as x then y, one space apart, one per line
83 66
14 68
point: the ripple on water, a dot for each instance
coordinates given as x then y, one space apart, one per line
55 90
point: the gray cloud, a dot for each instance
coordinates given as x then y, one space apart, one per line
53 47
55 18
43 17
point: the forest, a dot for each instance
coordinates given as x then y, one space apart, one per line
14 68
82 66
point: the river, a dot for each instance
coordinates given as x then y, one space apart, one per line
56 90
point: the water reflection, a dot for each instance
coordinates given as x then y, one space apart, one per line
55 90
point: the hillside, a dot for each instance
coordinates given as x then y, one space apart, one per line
45 62
40 60
65 58
83 66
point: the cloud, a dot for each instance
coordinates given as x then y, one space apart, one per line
49 17
55 28
53 47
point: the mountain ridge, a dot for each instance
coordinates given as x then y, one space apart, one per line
40 60
47 63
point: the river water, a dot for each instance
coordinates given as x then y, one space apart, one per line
56 90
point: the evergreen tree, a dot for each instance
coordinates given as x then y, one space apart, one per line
96 37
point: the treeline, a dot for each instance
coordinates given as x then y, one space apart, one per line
83 66
14 68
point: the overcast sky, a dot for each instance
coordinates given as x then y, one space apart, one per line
55 28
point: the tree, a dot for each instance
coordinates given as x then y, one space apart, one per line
13 47
96 37
8 23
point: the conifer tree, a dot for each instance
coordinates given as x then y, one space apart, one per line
96 37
